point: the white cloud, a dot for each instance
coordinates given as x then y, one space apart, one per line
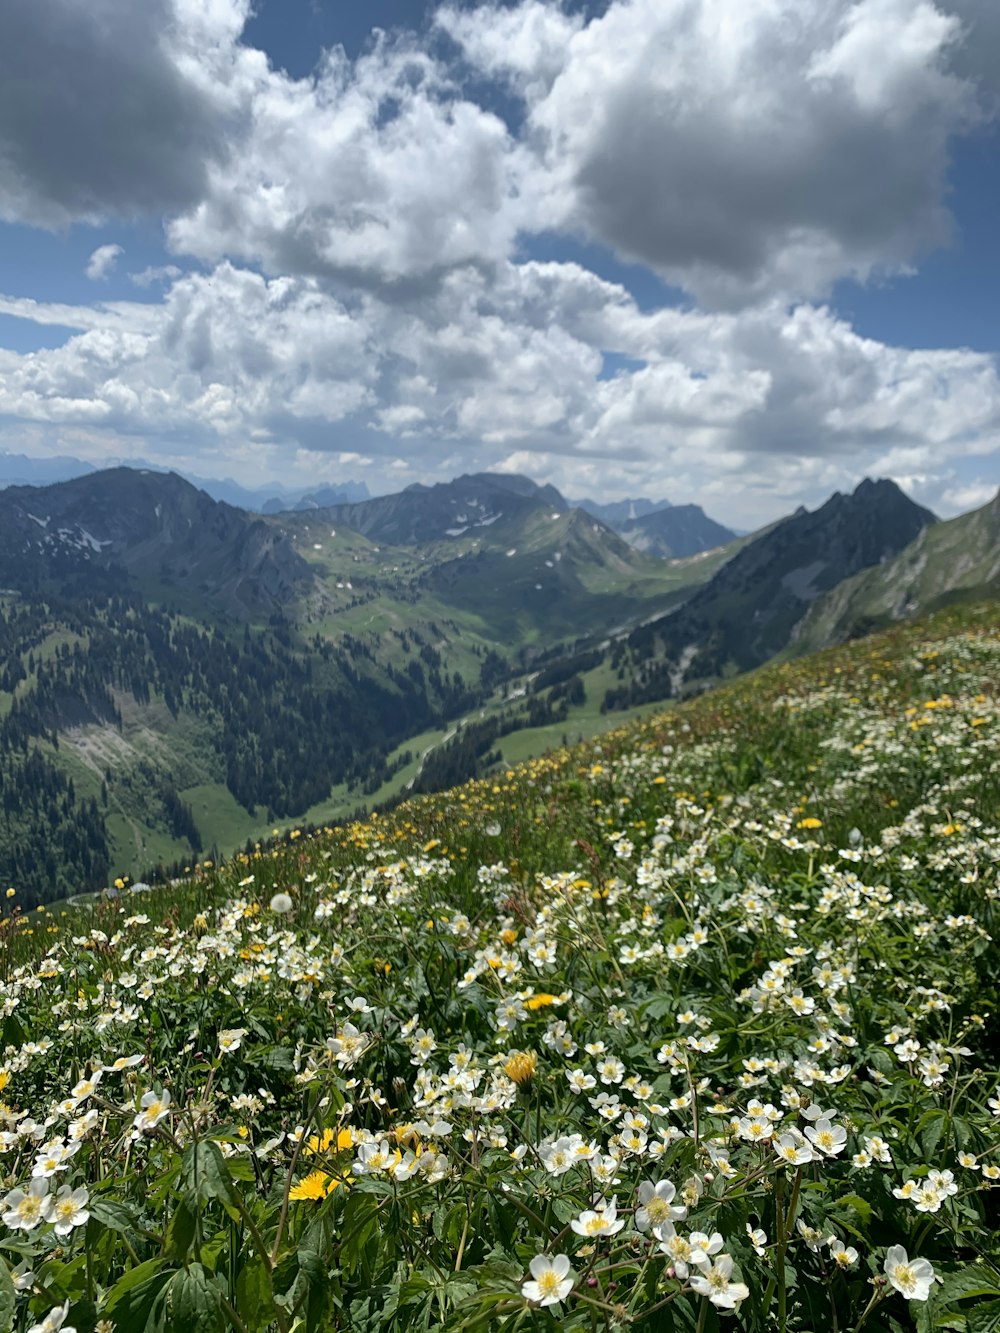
111 108
750 151
753 411
374 174
743 148
102 261
154 273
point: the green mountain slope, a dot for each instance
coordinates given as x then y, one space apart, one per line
747 611
959 559
177 674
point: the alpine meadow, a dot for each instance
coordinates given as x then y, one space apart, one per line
499 666
694 1019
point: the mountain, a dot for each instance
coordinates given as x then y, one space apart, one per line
176 672
157 528
946 562
616 513
673 533
19 470
348 492
544 571
747 611
659 528
446 510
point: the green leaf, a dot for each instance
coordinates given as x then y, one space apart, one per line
253 1296
114 1216
974 1280
932 1133
8 1299
137 1301
181 1228
195 1302
204 1173
984 1318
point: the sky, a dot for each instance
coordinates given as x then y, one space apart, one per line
740 253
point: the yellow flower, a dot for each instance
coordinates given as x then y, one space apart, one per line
810 821
344 1139
540 1001
520 1067
316 1185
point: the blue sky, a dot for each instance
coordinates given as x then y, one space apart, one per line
673 247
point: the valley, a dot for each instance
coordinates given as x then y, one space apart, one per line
180 678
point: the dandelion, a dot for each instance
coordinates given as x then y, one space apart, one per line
316 1185
281 903
551 1280
521 1066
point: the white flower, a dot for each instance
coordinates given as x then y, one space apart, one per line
22 1211
600 1221
22 1276
230 1038
758 1239
69 1210
793 1148
844 1256
53 1321
155 1106
551 1279
912 1278
656 1206
828 1138
713 1281
281 903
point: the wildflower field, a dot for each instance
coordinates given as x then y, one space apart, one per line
691 1028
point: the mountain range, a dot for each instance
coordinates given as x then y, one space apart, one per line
178 673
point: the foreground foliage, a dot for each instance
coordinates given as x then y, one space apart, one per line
691 1028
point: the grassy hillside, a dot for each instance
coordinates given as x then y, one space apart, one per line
700 1016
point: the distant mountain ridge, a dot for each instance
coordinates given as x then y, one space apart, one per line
445 510
657 527
616 513
20 470
676 532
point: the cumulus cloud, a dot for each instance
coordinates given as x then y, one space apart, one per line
102 261
374 174
364 293
743 148
111 108
761 408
